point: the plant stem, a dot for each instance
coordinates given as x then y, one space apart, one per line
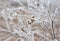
53 31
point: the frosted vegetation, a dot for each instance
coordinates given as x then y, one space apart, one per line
29 20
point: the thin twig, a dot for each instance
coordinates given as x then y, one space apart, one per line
53 31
